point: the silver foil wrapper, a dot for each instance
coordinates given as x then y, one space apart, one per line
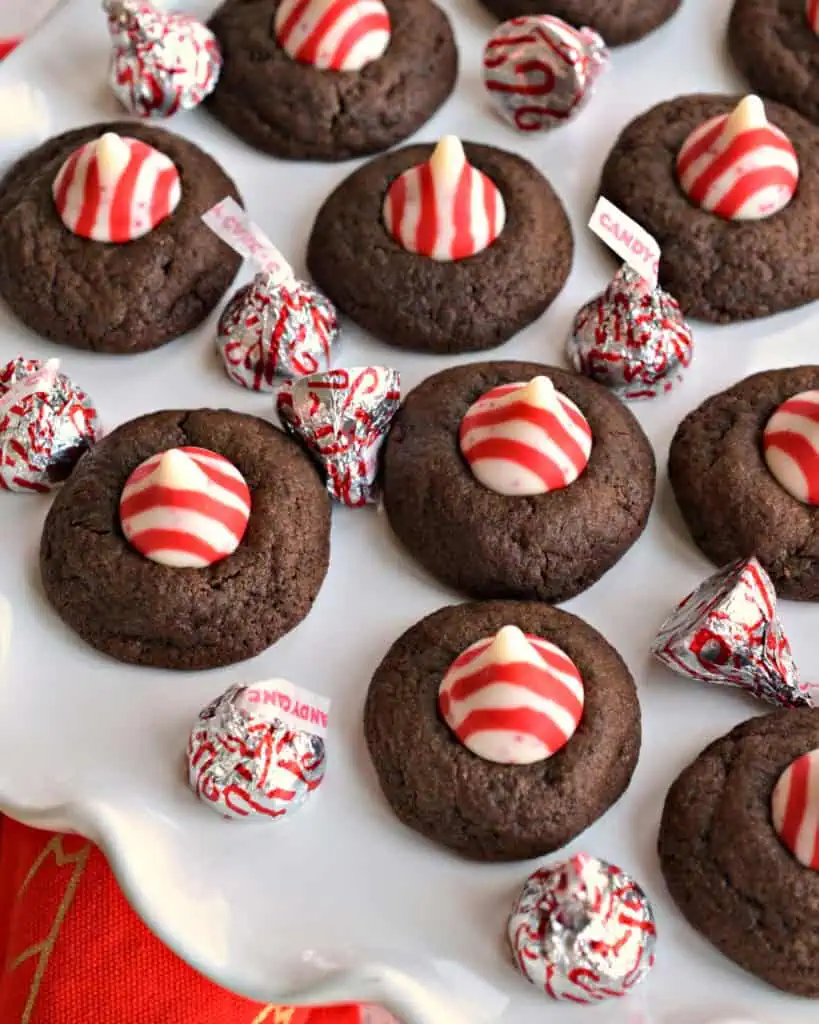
583 931
161 63
727 631
632 338
342 417
46 424
539 71
270 331
244 765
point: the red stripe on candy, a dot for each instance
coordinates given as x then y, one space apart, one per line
545 420
749 185
537 680
161 200
426 233
803 454
523 720
308 51
529 458
463 240
193 501
376 22
295 17
124 190
148 542
67 179
691 152
91 199
738 149
799 774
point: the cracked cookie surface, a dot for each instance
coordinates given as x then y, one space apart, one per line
732 504
295 111
617 21
124 298
414 302
546 548
144 613
483 810
775 48
719 270
725 867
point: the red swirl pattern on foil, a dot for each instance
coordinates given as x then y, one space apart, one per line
738 166
512 698
795 809
445 208
524 439
790 443
192 520
333 35
120 203
540 70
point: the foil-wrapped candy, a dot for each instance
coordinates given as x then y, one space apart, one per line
632 338
539 71
342 417
727 631
46 424
271 329
248 758
583 931
161 63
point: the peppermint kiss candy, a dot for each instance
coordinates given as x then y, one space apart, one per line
791 445
539 71
185 507
162 63
116 189
333 35
812 14
445 209
583 931
342 418
46 424
795 809
632 338
739 166
512 698
524 439
249 758
270 330
727 631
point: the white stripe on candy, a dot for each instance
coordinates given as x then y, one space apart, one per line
333 35
790 442
116 189
525 439
739 166
185 508
444 209
795 809
512 698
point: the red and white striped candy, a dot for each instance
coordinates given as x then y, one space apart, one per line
739 166
791 445
445 209
186 508
795 809
812 14
116 189
512 698
333 35
525 438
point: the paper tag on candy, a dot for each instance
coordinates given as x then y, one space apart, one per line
229 222
277 699
625 237
40 382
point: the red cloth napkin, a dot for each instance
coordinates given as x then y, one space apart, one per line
74 952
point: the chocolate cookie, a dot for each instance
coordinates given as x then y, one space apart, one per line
719 270
415 302
730 501
142 612
548 547
118 298
617 21
485 810
775 48
726 868
299 112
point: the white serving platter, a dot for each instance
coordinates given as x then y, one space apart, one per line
343 903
